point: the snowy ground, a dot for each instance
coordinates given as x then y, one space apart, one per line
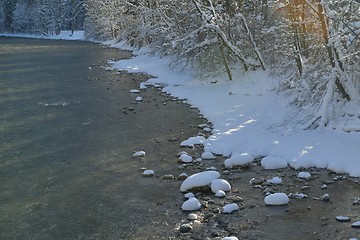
248 116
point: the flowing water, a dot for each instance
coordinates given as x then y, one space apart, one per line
68 129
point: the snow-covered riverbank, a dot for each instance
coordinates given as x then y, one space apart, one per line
249 116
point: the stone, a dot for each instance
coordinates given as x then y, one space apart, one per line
325 198
343 219
168 177
184 228
148 173
192 216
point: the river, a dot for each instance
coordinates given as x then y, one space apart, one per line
68 129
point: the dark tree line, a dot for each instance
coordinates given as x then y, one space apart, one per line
41 16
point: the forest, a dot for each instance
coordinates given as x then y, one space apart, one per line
312 45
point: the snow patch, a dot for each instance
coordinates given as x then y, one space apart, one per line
199 180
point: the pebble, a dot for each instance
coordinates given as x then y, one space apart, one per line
148 173
356 224
169 177
192 216
184 228
229 208
323 187
235 198
257 181
343 218
139 154
325 198
182 176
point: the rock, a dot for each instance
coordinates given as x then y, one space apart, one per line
275 180
199 180
139 154
168 177
305 188
230 238
304 175
189 195
182 176
220 194
207 129
356 224
192 216
323 187
268 190
192 204
325 198
148 173
256 181
229 208
220 184
235 198
184 228
343 219
276 199
138 99
297 195
135 91
185 158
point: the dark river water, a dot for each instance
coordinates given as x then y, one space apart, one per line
67 132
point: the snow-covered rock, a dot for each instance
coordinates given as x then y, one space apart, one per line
135 91
220 184
207 130
139 154
230 238
192 204
239 159
275 180
148 173
229 208
199 180
273 162
138 99
182 176
304 175
198 140
276 199
343 218
192 216
189 195
220 194
186 158
356 224
297 195
207 155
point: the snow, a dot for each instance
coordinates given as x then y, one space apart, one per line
229 208
138 99
238 159
276 199
200 179
192 204
304 175
135 91
220 184
248 116
273 162
198 140
189 195
207 155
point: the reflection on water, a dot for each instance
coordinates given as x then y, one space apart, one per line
65 144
